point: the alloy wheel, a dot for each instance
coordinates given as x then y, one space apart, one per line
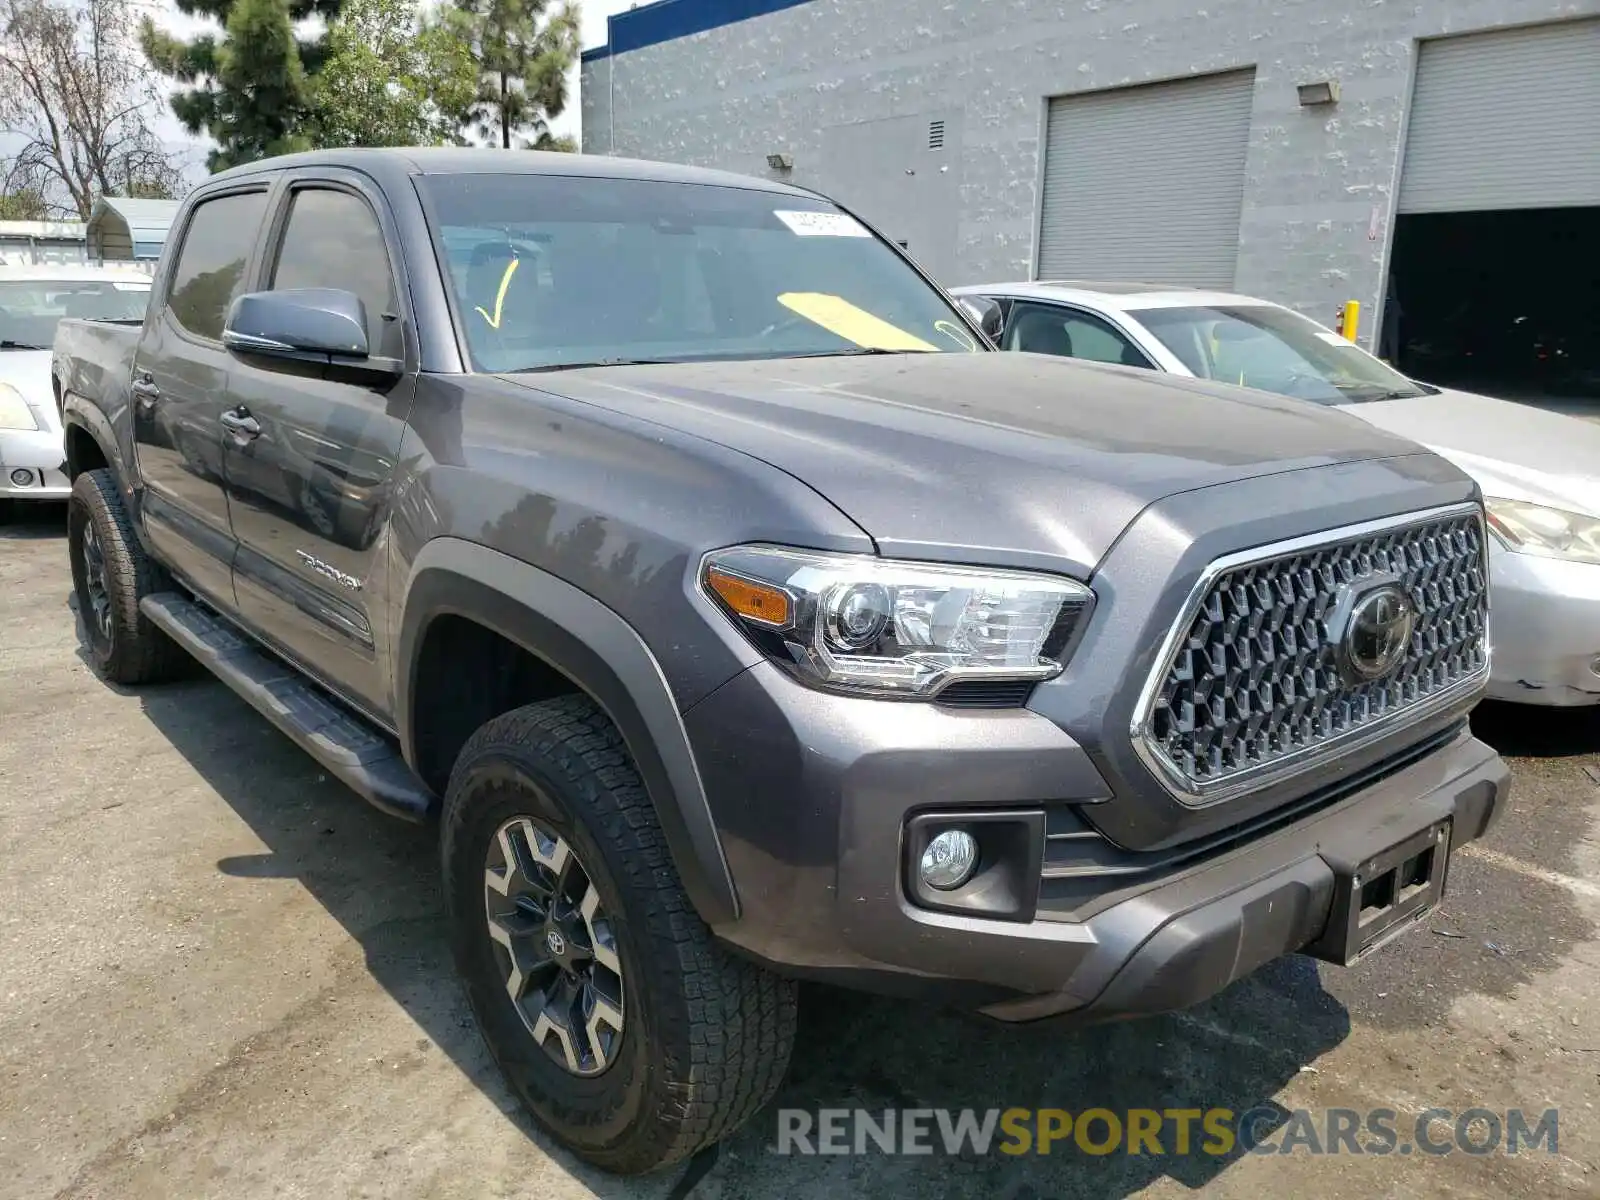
555 946
94 580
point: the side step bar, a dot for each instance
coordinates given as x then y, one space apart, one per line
353 751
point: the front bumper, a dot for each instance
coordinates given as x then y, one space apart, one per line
1545 630
812 794
33 465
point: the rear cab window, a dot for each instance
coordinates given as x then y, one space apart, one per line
209 270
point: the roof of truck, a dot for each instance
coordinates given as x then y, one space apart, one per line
454 160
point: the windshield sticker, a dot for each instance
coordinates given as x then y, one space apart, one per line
129 287
1334 339
821 224
838 316
499 297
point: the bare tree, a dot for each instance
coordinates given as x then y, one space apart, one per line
76 92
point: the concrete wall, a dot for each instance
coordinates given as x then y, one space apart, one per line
1320 182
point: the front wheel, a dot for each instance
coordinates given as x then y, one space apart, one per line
626 1030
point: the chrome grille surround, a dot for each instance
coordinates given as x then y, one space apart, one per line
1247 687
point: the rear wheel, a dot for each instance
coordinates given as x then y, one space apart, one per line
110 575
621 1024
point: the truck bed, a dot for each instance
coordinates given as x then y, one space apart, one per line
94 360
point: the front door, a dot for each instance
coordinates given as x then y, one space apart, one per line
311 469
179 391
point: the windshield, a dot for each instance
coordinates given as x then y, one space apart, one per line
1276 350
558 271
30 308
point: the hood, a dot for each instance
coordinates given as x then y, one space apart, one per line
29 372
1512 450
983 457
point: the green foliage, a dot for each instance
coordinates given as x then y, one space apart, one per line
23 205
252 87
524 53
392 79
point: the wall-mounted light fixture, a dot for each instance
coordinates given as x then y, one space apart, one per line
781 162
1324 91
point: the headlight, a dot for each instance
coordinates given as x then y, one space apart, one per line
1548 532
14 411
887 628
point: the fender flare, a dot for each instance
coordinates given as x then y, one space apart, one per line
593 646
79 413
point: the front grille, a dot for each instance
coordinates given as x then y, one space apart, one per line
1252 683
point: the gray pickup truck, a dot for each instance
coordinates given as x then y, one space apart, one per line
743 619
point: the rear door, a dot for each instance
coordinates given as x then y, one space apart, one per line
180 387
311 490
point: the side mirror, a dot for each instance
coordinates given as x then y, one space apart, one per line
985 314
323 326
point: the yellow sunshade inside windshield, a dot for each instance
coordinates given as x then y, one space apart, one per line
838 316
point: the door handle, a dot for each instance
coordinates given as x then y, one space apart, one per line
145 391
241 424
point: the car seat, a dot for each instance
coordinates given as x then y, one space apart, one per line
1039 332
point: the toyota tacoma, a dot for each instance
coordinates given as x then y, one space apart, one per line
742 618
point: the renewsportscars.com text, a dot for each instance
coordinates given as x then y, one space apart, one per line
1217 1132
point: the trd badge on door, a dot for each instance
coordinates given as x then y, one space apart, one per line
329 571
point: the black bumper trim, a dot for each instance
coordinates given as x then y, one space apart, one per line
1206 941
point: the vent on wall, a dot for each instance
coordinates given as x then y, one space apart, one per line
935 135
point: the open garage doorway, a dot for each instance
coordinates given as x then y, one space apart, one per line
1506 303
1494 272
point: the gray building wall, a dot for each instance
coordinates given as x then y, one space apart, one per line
1320 183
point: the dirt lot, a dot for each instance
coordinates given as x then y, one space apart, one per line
221 974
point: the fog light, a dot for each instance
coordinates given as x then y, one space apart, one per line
1594 667
22 477
949 859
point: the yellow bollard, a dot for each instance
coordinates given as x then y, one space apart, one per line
1349 319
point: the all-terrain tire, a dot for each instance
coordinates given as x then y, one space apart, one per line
706 1037
124 645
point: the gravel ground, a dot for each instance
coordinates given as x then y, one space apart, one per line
221 974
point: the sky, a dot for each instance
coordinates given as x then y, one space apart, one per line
192 150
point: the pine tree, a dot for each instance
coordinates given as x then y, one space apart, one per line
524 53
249 88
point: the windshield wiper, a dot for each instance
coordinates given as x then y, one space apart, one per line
599 362
856 352
1364 393
8 344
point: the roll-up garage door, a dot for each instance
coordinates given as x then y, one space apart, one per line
1509 119
1147 182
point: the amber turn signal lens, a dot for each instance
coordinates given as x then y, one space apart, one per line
757 601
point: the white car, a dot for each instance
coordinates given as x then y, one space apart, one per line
32 299
1539 471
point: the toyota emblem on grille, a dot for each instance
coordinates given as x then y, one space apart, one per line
1376 632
